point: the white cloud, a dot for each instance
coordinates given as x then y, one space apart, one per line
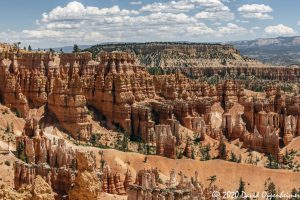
200 29
40 34
172 20
242 21
215 10
77 11
256 11
172 6
254 29
212 7
257 16
299 23
62 26
231 29
261 8
280 30
215 15
208 3
77 23
136 2
226 16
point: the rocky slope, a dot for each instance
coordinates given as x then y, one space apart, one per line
170 115
274 51
173 54
38 190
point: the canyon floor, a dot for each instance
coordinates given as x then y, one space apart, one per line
228 173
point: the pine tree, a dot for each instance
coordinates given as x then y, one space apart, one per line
233 157
205 152
29 48
222 150
73 164
125 143
241 189
147 148
212 179
12 127
271 162
272 190
140 149
93 139
20 151
295 194
193 155
78 137
76 48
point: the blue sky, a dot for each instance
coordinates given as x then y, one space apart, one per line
53 23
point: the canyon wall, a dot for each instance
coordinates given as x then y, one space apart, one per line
289 74
148 108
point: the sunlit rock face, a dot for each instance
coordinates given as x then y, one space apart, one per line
147 107
147 187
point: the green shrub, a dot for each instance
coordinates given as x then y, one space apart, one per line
7 163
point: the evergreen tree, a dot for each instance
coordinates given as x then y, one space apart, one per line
272 190
29 48
295 194
193 155
20 151
212 179
76 48
233 157
145 159
93 139
147 148
73 164
18 113
241 189
223 62
125 143
179 154
222 150
272 162
78 137
12 127
204 151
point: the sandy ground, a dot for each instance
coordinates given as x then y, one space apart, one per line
8 117
106 196
295 145
228 173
